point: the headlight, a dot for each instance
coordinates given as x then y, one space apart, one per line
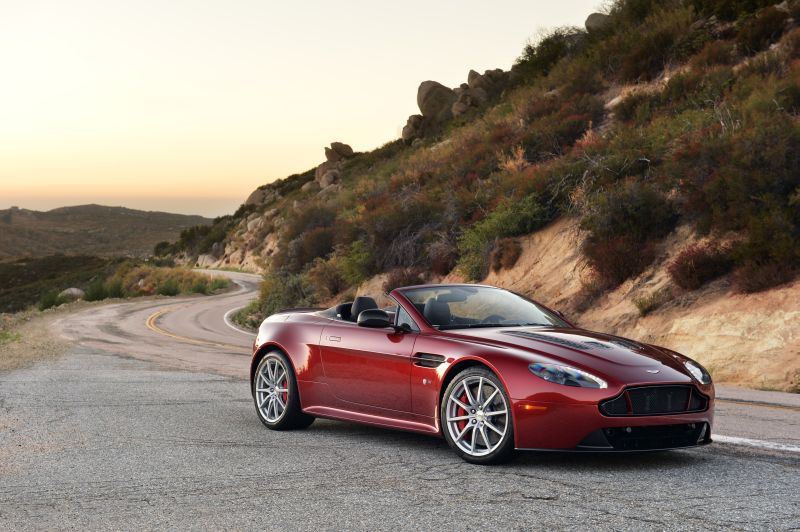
698 371
566 375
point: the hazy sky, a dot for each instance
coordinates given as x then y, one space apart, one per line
188 105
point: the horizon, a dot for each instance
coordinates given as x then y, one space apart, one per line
187 108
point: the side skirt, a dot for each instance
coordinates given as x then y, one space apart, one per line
369 419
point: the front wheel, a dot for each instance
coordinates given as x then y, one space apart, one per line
275 394
476 417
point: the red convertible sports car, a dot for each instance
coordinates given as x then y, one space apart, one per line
487 369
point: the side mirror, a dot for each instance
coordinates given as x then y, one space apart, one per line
374 319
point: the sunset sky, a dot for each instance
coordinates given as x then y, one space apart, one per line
188 105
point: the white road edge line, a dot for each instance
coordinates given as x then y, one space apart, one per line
229 323
761 444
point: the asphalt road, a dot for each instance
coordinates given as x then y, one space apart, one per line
147 422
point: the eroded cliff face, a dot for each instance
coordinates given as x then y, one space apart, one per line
745 339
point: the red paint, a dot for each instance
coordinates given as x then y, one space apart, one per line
367 375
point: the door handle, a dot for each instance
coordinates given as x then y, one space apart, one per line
334 338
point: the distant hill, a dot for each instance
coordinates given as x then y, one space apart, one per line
88 230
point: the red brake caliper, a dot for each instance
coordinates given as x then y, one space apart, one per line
461 412
285 395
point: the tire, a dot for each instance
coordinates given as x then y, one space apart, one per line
275 394
476 417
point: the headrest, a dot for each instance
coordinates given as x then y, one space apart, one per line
437 312
361 304
343 310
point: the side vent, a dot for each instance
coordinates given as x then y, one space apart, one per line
426 360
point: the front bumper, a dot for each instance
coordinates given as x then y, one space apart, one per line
580 426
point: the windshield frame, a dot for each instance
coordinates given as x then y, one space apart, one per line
401 295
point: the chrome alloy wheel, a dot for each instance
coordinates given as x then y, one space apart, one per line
477 416
272 390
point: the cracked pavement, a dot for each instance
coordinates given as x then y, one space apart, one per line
122 433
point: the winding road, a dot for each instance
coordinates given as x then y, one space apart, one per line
146 421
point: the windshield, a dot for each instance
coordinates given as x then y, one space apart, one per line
463 307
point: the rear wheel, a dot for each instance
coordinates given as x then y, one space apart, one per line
275 394
476 417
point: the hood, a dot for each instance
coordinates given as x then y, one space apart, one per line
576 346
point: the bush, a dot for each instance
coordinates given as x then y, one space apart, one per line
713 53
698 264
400 277
114 289
505 254
756 276
540 56
169 288
729 9
219 283
650 302
49 299
96 291
162 248
634 209
199 286
511 218
325 277
357 264
443 256
623 223
664 35
757 32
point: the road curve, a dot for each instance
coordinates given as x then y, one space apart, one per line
191 333
147 422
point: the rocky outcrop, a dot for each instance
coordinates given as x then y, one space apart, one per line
413 128
262 196
438 103
435 100
328 173
597 22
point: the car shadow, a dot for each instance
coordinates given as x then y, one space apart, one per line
436 448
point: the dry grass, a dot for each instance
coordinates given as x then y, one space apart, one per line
26 338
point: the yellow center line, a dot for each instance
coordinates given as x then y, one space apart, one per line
151 324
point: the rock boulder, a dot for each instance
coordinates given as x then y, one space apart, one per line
597 22
435 100
71 294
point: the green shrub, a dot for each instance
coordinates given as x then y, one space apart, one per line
729 9
162 248
169 287
325 277
623 223
49 299
664 36
357 264
540 56
199 286
757 32
96 291
219 283
755 276
652 301
114 288
510 218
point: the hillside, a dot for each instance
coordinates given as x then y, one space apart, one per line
88 230
639 174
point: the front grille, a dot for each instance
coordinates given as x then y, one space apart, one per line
655 401
647 438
